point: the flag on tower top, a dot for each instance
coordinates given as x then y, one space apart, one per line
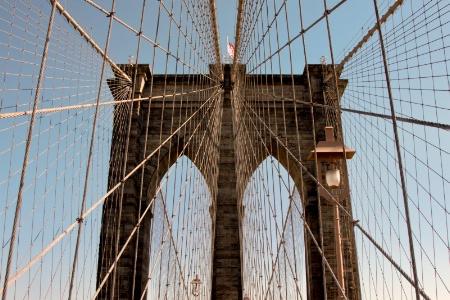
230 49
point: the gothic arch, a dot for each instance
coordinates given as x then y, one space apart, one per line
268 203
285 159
172 155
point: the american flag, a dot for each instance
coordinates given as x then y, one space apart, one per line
230 48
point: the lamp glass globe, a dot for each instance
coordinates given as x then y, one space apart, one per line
333 178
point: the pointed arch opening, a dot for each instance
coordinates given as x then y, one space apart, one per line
273 241
180 234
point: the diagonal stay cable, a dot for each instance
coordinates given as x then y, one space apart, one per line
355 222
82 106
296 37
213 13
149 40
89 39
285 223
261 139
89 159
399 156
27 151
149 205
179 199
361 112
370 33
96 204
289 209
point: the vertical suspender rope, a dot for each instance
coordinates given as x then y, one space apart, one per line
399 155
300 189
89 161
147 122
315 153
27 152
338 129
143 167
163 198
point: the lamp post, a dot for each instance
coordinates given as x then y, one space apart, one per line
196 286
329 154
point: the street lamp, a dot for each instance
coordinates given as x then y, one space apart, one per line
329 154
196 286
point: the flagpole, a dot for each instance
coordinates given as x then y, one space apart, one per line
227 49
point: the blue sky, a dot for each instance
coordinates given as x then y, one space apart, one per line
420 82
123 42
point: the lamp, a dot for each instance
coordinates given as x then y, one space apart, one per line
196 286
329 152
333 178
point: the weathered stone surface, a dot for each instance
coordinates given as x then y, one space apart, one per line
291 123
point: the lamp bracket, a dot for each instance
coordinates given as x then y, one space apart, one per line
324 194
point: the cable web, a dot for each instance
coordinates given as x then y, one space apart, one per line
57 149
125 139
395 227
416 44
75 113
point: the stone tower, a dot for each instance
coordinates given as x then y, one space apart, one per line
226 277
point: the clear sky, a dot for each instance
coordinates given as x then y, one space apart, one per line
123 42
418 56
